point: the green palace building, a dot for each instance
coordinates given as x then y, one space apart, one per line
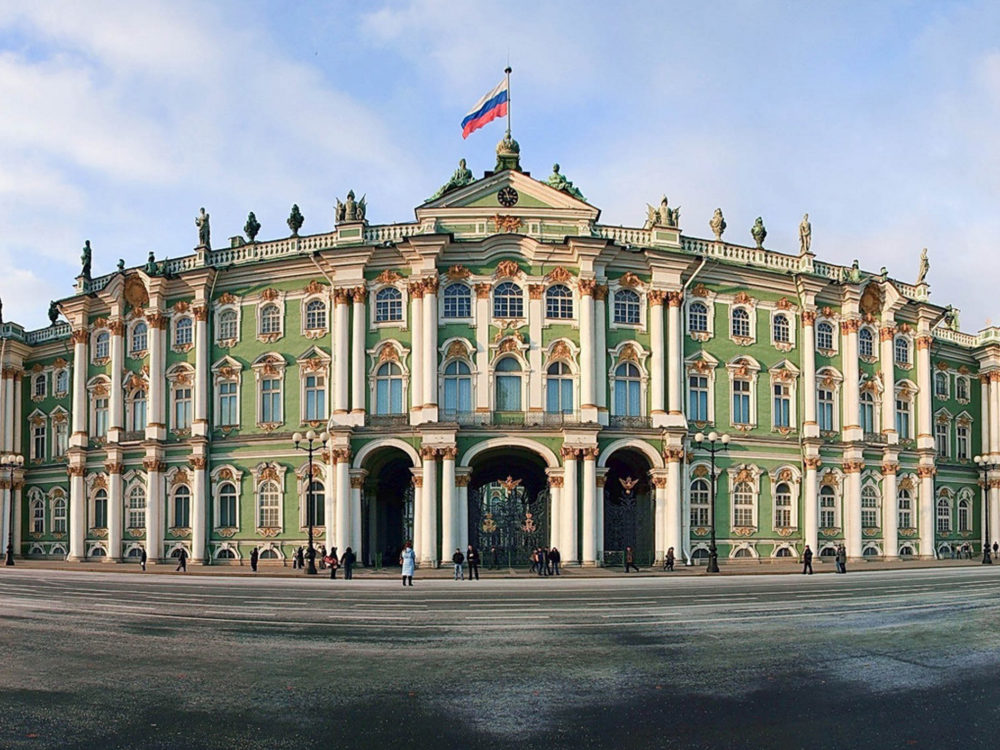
504 370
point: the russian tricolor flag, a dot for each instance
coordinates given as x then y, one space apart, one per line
492 105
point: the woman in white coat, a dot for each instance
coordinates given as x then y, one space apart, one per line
408 560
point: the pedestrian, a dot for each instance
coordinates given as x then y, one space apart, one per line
995 548
548 561
457 559
182 560
332 562
840 559
472 557
534 560
807 561
300 558
543 561
668 561
347 561
496 557
408 560
630 560
295 558
142 558
254 557
322 557
555 558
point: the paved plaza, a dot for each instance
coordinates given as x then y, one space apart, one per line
906 658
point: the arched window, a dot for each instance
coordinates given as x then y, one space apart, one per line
38 386
457 387
743 504
869 507
867 412
59 515
316 514
136 507
140 338
628 391
101 509
388 305
698 317
902 351
38 516
783 552
627 307
227 505
508 385
741 323
943 516
964 516
941 384
270 319
389 389
866 343
824 336
227 325
182 508
315 315
226 554
508 301
102 345
827 508
558 302
904 506
137 411
457 301
782 331
62 381
182 332
962 389
782 506
699 503
268 506
558 389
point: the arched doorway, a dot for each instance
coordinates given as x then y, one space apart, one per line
629 508
508 505
386 506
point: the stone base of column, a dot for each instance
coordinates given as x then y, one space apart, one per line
660 419
427 564
76 558
589 564
588 413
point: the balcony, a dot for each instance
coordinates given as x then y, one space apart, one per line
633 423
386 420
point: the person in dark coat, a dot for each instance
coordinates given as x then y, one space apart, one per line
668 561
472 557
348 561
807 561
182 560
543 561
254 556
630 560
333 562
457 560
555 558
142 558
496 557
300 558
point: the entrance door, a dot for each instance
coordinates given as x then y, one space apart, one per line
628 522
509 520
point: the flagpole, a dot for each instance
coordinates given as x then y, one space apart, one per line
507 71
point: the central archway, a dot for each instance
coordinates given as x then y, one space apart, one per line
629 508
386 505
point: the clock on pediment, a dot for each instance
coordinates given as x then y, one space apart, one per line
507 197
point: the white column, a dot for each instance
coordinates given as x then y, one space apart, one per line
18 507
79 416
810 428
994 408
673 521
994 499
462 498
155 420
810 515
852 417
985 429
429 555
430 350
589 520
588 405
925 436
557 511
342 534
199 511
357 484
154 507
358 354
890 521
888 364
657 358
449 535
115 511
330 502
77 512
416 353
202 375
116 422
341 354
482 348
535 374
6 428
600 480
926 515
418 513
659 480
569 546
675 365
601 350
852 508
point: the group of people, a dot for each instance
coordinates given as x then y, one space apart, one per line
459 560
545 561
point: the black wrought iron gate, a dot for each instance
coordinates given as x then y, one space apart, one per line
508 520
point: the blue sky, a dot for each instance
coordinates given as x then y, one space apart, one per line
119 120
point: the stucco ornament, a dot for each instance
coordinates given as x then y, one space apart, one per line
559 182
459 178
758 232
662 215
805 235
717 224
925 266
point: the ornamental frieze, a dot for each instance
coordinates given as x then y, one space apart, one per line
744 531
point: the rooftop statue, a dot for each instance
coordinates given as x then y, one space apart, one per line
805 235
925 266
559 182
204 232
758 232
459 178
121 265
150 267
53 313
85 260
350 210
295 220
662 215
717 224
854 272
252 227
951 318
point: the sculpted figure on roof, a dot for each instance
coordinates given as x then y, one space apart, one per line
925 266
204 231
717 224
758 232
559 182
662 215
805 235
459 178
350 210
85 260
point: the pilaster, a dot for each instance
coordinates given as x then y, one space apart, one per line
890 519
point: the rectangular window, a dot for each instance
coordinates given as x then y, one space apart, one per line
782 405
903 418
38 442
62 438
941 439
270 401
100 417
741 402
101 513
458 394
698 398
824 411
962 447
867 417
182 408
315 388
228 408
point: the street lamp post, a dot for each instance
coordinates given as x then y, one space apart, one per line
984 466
11 462
311 440
715 444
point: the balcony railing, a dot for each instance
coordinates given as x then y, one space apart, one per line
638 423
386 420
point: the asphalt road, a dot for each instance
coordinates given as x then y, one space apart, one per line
907 658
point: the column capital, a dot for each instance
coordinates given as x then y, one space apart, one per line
590 453
926 472
556 482
153 464
849 326
675 299
656 296
462 480
924 342
812 463
885 333
198 463
76 471
341 455
483 291
114 467
342 296
416 289
600 292
449 452
853 467
359 294
79 336
417 481
673 455
586 286
429 451
200 313
808 317
569 452
357 481
431 285
536 291
890 468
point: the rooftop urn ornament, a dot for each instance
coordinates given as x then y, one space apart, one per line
508 154
662 215
295 220
204 231
559 182
925 266
758 233
459 178
53 313
717 224
351 210
85 260
252 227
805 235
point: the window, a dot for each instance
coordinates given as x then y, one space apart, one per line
270 319
962 442
964 516
315 315
943 516
136 508
824 409
559 389
388 305
508 385
741 323
182 508
903 417
743 504
824 336
782 331
628 391
38 386
62 381
102 345
698 398
962 389
38 441
62 437
457 301
626 307
228 405
902 350
558 302
869 507
269 506
101 416
389 389
866 343
137 411
59 515
782 405
699 503
867 415
227 325
941 439
782 506
508 301
315 397
315 514
101 509
827 508
941 385
457 387
227 505
183 332
741 402
37 517
140 338
698 318
270 401
904 505
182 407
